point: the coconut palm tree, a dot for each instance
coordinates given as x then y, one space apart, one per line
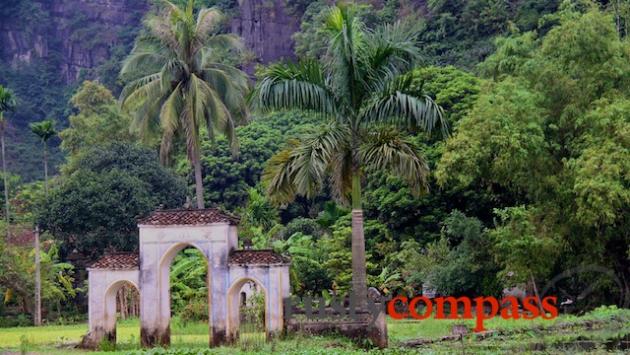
187 87
7 103
361 86
44 130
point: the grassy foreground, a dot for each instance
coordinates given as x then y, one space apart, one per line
596 331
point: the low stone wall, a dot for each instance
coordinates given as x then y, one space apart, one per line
360 329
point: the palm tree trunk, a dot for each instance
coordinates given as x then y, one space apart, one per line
45 169
38 282
6 181
198 182
359 283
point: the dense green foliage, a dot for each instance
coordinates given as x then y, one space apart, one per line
95 207
552 131
532 180
227 178
17 282
185 85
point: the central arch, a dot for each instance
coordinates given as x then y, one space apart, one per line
234 303
165 264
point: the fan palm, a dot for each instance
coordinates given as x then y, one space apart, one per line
44 130
7 103
362 87
187 87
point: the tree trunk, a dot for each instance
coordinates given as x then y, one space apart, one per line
359 283
198 182
122 297
531 276
618 17
38 282
6 181
46 169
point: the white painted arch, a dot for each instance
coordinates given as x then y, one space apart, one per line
158 245
233 305
103 285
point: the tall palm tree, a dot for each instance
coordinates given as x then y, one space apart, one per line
187 87
44 130
7 103
362 87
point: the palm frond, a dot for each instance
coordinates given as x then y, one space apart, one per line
396 104
146 102
312 158
230 84
148 55
132 92
169 121
391 51
161 30
190 124
277 176
341 175
44 129
294 86
227 42
211 106
345 51
7 99
386 149
301 169
208 22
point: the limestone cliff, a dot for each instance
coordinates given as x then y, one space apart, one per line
266 28
77 34
80 34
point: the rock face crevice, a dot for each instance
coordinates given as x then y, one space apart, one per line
267 29
74 34
81 34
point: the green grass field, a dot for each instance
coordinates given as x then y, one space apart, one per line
522 336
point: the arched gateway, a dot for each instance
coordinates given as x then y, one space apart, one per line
162 235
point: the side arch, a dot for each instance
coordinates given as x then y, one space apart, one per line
103 284
109 305
233 306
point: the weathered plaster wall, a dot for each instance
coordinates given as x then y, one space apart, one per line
274 282
103 285
158 246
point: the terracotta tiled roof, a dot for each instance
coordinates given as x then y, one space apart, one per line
188 217
118 261
256 257
24 237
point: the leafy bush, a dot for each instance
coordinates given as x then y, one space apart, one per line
196 310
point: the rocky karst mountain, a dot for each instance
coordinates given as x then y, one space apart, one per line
78 33
267 28
47 47
81 34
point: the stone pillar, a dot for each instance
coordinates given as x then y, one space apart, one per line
109 321
218 304
96 316
103 286
278 288
152 330
377 331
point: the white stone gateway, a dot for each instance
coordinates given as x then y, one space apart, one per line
162 235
